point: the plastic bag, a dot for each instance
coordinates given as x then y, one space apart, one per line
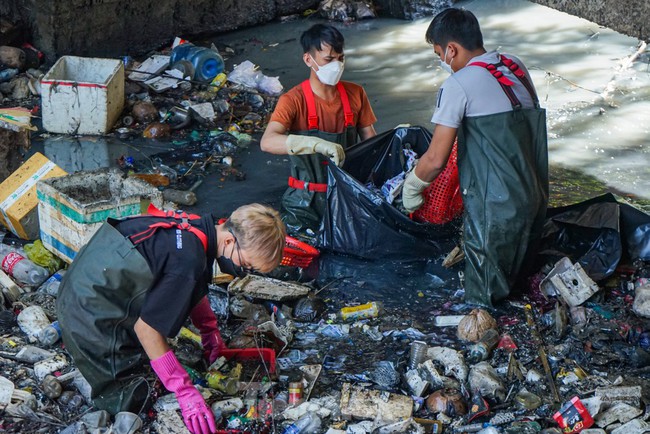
595 233
38 254
246 74
358 221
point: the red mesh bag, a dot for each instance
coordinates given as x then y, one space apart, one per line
442 199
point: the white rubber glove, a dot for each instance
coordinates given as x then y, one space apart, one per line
412 191
305 145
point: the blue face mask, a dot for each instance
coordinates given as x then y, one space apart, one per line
447 66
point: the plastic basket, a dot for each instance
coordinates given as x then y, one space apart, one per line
263 354
298 254
442 199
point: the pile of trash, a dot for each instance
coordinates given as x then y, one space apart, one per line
566 356
182 96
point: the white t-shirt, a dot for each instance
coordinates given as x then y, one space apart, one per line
473 91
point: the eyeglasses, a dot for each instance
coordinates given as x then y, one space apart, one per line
241 268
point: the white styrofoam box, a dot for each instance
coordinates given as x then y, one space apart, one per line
73 208
82 95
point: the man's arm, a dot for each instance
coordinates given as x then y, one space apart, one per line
367 132
429 167
435 159
277 142
274 140
154 343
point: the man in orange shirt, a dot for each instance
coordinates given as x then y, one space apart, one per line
314 121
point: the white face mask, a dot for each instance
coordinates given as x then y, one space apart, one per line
447 66
330 73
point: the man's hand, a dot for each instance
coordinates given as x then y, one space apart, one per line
412 191
305 145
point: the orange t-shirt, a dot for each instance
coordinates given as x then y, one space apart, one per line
291 110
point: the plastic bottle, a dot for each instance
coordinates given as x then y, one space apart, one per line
207 62
308 423
51 285
8 74
51 387
50 334
20 268
32 320
353 313
482 349
418 353
273 308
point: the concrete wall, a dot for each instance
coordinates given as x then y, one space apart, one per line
119 27
133 27
630 17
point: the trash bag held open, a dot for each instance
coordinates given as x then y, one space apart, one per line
359 221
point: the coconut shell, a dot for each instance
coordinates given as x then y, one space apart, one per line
447 401
145 112
12 57
474 324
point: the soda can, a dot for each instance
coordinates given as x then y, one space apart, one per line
295 393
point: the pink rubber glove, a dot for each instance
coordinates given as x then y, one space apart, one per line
196 414
203 318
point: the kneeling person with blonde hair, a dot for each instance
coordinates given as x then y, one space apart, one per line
136 282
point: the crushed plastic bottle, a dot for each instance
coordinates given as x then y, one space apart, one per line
32 320
308 423
50 334
51 285
51 387
15 263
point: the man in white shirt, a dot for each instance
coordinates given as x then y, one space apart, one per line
490 104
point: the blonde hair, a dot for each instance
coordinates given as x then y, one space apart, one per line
261 232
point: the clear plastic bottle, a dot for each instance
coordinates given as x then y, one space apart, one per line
308 423
418 353
51 285
15 263
50 334
482 349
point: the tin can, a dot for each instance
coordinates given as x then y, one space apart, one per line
222 382
295 393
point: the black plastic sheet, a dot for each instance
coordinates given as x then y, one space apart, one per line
596 233
360 222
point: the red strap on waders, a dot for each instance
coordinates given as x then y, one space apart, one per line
505 82
312 124
309 186
312 116
183 224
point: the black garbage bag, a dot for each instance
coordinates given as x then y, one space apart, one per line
360 222
596 233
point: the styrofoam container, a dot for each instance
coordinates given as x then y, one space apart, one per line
73 208
82 95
